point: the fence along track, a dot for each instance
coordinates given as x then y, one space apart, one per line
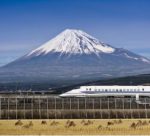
46 107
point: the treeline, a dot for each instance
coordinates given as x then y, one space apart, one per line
47 86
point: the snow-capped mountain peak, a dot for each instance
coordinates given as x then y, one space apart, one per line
73 41
57 62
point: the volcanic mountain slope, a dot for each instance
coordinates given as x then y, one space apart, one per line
74 56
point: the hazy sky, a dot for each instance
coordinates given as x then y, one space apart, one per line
26 24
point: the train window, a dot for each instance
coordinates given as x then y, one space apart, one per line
116 90
127 89
142 89
135 90
89 89
86 89
120 90
106 90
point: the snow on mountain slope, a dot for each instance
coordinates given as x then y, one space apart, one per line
130 55
76 42
74 57
73 41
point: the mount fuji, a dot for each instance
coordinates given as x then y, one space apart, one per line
73 57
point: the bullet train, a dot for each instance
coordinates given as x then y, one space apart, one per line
106 91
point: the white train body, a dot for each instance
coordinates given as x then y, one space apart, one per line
100 91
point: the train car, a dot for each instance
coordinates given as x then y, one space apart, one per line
105 91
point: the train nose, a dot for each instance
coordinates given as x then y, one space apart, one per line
62 95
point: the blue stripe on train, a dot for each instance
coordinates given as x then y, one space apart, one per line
95 92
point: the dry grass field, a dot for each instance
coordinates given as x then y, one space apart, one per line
75 126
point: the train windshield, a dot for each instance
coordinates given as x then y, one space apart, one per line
77 87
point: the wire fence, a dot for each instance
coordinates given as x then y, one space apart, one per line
47 107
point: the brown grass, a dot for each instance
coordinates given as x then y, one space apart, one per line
75 126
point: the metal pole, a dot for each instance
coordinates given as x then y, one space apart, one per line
85 103
39 108
0 109
116 108
78 104
32 107
131 107
16 108
123 103
93 109
8 107
145 109
138 109
100 106
123 107
70 103
70 109
24 107
85 109
47 108
108 103
78 108
100 101
93 104
55 103
115 104
62 104
55 108
62 108
108 109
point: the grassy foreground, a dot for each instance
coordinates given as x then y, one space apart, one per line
75 127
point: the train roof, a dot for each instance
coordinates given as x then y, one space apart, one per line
115 86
